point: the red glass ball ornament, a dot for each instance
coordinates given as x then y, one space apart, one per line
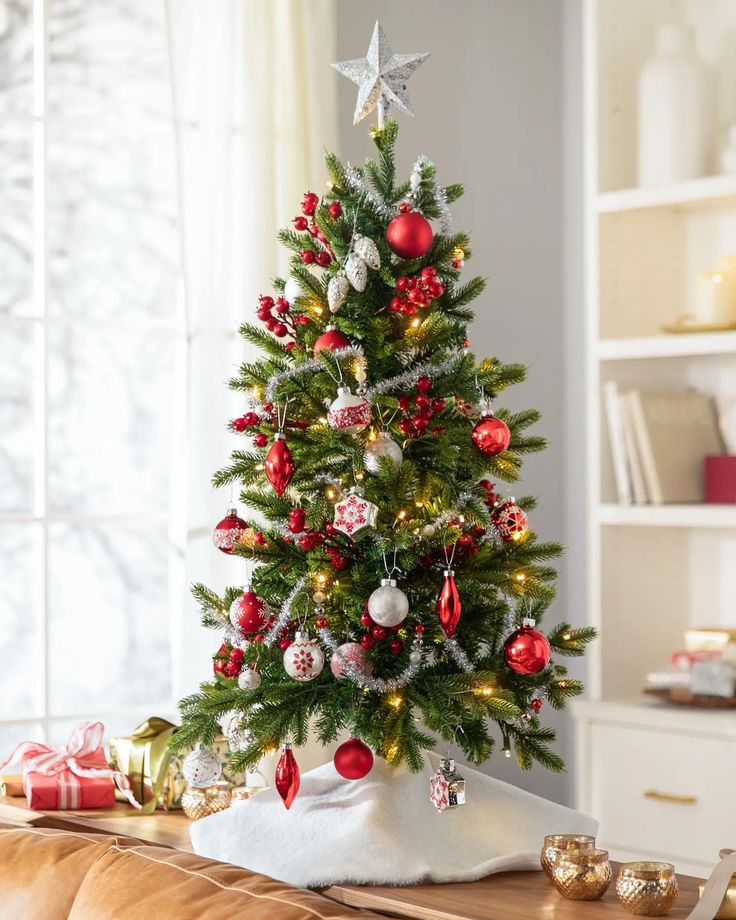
409 235
287 778
353 759
249 612
379 632
536 704
260 439
396 646
491 435
332 339
279 465
366 640
527 651
227 533
366 619
449 605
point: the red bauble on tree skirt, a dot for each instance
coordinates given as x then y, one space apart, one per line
332 339
287 777
279 465
449 606
353 759
227 533
249 613
527 651
409 235
491 435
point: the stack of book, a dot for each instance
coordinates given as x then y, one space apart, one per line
659 441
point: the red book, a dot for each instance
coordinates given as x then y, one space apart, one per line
720 480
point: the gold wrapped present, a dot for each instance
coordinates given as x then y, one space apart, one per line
155 773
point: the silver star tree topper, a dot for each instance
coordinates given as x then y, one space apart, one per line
381 76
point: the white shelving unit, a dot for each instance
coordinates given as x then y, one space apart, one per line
647 771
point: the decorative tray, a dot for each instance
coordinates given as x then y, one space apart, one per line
680 697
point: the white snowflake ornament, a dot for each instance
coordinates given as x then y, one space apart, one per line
366 249
303 659
356 272
337 291
354 514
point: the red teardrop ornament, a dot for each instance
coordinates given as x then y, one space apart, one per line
527 651
449 605
279 465
287 776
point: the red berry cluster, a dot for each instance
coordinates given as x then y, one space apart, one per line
416 291
418 409
281 324
228 660
376 633
490 490
309 207
310 539
249 420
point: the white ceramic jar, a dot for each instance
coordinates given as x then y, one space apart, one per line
675 125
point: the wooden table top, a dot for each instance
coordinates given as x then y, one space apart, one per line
505 896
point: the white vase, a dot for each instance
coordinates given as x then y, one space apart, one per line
674 111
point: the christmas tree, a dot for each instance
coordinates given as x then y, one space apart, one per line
395 591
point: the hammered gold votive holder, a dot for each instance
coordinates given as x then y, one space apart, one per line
647 888
554 844
582 875
198 803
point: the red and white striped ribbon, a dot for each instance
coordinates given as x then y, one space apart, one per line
68 762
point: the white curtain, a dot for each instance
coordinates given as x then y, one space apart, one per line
255 103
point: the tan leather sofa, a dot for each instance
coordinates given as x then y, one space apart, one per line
62 875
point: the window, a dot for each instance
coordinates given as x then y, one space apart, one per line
92 356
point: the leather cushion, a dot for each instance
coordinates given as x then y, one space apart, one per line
127 884
41 869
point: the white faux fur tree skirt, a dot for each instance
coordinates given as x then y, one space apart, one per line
384 830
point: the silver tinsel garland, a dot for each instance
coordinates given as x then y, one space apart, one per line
421 163
284 615
410 377
459 656
358 183
350 351
377 684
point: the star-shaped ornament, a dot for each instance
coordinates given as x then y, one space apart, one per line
382 77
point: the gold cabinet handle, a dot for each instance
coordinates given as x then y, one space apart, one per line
670 797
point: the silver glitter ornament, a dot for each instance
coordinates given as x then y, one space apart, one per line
388 605
383 446
366 249
382 77
249 679
356 271
337 291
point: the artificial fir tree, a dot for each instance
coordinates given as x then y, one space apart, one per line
395 591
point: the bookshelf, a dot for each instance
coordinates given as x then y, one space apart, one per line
651 571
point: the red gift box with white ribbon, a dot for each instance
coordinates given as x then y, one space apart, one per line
76 775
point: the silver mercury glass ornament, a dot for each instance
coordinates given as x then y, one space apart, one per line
388 605
447 786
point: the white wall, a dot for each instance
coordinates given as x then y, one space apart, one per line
489 106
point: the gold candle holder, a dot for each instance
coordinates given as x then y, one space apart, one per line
647 888
554 844
198 803
582 875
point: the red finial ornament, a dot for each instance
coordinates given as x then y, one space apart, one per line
448 604
287 776
279 463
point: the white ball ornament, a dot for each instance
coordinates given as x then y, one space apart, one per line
388 605
292 290
303 659
249 679
202 767
349 412
383 446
